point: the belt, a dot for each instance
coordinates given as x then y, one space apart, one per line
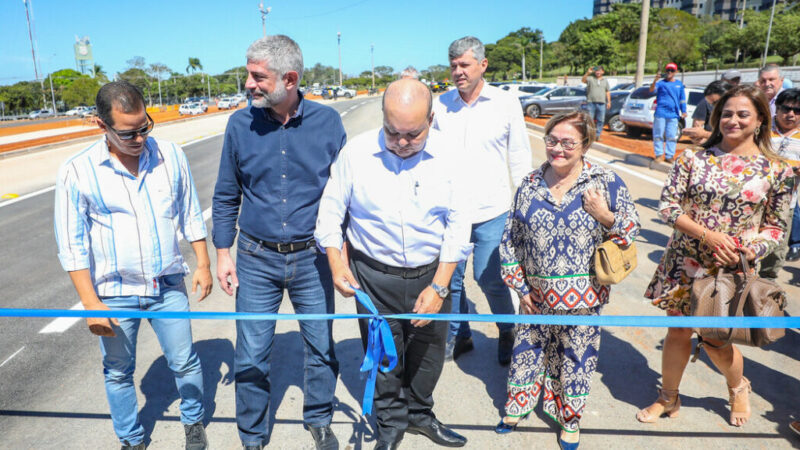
404 272
281 247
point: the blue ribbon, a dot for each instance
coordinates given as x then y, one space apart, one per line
380 345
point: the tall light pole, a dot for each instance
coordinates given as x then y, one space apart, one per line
264 13
541 54
640 56
372 62
741 25
769 31
339 43
33 53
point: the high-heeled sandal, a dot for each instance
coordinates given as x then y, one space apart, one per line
505 428
740 402
668 400
564 445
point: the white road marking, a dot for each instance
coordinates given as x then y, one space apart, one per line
617 166
9 358
62 324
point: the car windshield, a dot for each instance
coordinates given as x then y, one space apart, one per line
643 93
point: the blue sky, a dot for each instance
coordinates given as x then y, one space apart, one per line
218 32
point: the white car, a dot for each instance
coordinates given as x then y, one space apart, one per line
40 114
639 109
190 109
523 90
226 103
79 111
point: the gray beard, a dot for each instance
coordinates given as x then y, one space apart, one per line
270 99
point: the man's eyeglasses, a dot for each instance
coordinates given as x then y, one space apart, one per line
671 70
566 144
786 109
127 135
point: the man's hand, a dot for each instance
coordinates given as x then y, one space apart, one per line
697 134
100 326
608 105
683 115
202 278
527 304
428 302
343 279
226 268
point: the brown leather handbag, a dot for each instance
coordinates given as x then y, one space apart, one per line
737 293
614 262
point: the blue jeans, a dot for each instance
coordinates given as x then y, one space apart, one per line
664 128
597 111
794 234
175 337
263 275
486 270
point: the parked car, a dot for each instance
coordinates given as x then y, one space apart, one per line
40 113
79 111
624 87
560 99
340 92
440 86
524 90
190 109
612 114
639 109
226 103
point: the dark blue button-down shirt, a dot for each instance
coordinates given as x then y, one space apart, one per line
275 172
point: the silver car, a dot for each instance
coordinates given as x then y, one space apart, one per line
639 109
561 99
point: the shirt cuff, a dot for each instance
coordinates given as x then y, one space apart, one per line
71 262
330 240
454 253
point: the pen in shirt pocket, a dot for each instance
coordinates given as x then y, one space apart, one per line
416 188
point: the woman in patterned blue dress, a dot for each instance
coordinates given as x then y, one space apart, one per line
560 215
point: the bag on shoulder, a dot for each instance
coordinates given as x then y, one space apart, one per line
614 262
734 293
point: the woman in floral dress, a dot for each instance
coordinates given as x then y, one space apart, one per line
560 215
728 197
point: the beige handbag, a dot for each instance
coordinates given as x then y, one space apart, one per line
613 262
737 293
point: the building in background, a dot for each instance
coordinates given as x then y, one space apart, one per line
727 9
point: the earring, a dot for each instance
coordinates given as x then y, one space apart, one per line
758 131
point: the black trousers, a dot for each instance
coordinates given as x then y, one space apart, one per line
405 394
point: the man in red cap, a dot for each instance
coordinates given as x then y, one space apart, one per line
670 106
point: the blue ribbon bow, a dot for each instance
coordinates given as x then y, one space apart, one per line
380 345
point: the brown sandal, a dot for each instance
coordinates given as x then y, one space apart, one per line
669 402
740 402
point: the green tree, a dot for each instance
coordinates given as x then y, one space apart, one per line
100 74
785 38
384 71
81 92
194 65
712 40
598 47
674 36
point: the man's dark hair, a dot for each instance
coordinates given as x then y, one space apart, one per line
788 96
719 87
118 94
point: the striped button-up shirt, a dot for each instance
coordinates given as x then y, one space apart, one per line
125 229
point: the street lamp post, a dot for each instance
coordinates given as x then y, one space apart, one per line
541 53
372 63
339 44
769 31
264 13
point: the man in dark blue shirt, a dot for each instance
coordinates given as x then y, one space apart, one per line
275 163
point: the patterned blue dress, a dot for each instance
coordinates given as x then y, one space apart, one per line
547 250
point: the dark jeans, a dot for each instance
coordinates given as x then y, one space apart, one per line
405 394
263 275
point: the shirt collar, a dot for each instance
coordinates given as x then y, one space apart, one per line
412 160
102 156
484 95
297 113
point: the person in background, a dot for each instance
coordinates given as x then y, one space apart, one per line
598 96
770 81
701 125
410 72
786 143
732 77
670 106
119 207
486 124
561 213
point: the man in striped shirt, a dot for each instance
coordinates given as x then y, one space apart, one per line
120 205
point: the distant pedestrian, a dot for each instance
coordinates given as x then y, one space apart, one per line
786 143
275 161
397 189
730 197
410 72
770 81
560 215
120 205
598 96
487 125
732 77
670 106
701 123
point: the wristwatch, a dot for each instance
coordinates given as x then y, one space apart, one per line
441 291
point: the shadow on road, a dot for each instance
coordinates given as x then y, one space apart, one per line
350 353
482 364
158 384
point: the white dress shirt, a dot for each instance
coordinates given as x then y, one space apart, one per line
492 137
403 212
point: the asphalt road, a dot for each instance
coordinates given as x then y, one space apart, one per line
51 391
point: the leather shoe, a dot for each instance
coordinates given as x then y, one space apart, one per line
793 254
438 433
324 438
456 347
383 445
505 347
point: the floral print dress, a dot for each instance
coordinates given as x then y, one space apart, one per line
745 197
547 250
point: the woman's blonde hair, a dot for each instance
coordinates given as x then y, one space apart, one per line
759 101
580 120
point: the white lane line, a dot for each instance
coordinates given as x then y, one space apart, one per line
9 358
617 166
62 324
344 113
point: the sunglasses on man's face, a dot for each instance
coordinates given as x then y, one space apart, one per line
127 135
786 109
670 70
